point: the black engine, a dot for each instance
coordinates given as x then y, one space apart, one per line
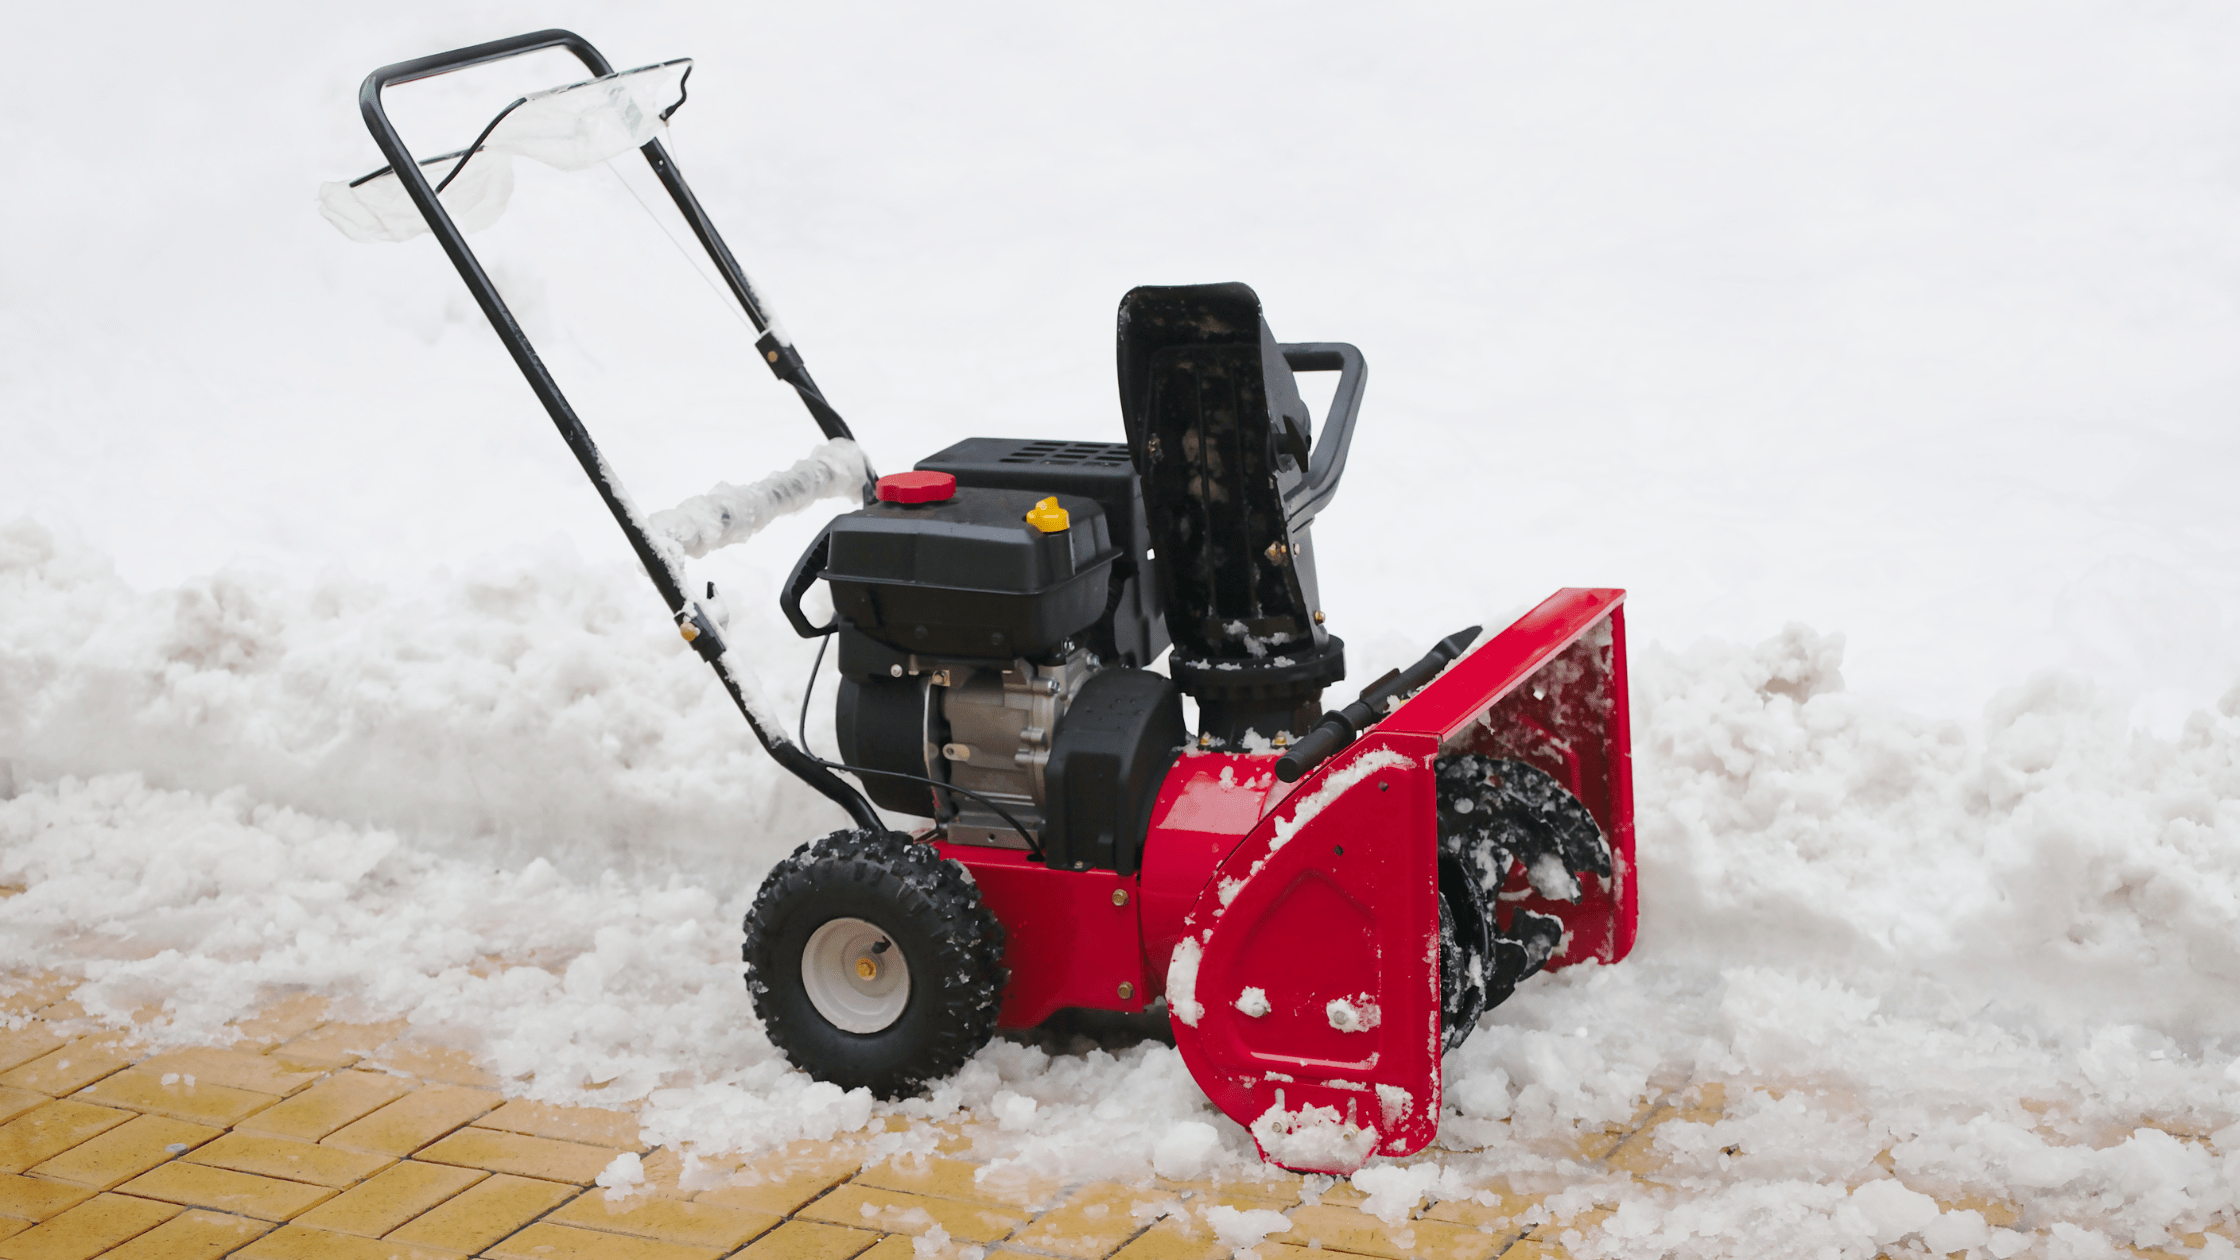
996 611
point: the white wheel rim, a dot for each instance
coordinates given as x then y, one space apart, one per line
855 976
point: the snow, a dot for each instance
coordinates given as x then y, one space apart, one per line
935 1242
320 670
1892 1211
1241 1229
1186 1150
1254 1000
1013 1112
728 515
1182 981
1352 1015
1394 1104
1394 1190
621 1176
1313 1137
1304 807
1551 880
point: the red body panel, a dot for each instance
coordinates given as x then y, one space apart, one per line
1206 804
1066 941
1332 898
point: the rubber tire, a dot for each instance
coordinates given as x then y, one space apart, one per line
927 905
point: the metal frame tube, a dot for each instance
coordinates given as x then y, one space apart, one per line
698 628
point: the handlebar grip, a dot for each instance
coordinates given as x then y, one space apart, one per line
1325 739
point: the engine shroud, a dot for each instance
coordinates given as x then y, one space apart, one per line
979 653
969 577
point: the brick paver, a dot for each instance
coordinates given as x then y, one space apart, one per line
14 1102
808 1240
34 1199
413 1120
179 1097
588 1125
545 1241
298 1242
336 1101
391 1197
335 1045
224 1190
289 1159
92 1227
521 1155
1093 1223
191 1235
122 1153
305 1139
71 1067
670 1220
780 1184
25 1044
485 1214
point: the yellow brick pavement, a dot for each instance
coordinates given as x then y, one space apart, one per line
310 1139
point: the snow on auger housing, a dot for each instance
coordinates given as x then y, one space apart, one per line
1326 901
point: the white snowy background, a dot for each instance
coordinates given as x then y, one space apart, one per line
1914 324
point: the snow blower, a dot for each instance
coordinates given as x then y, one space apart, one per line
1324 901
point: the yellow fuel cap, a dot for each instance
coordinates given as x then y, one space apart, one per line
1048 517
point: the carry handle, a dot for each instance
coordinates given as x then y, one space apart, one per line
1328 462
798 582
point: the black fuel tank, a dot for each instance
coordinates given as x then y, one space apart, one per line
970 577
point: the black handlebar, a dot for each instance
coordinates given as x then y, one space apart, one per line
699 630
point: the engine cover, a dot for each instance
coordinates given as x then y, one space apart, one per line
969 577
1114 745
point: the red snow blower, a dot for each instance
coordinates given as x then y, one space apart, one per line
1325 901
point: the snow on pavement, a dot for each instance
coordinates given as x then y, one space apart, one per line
1996 952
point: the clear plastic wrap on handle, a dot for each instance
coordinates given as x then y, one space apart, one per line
568 128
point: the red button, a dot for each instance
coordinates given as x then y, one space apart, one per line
917 487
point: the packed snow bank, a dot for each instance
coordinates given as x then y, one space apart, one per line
2056 862
1996 962
544 708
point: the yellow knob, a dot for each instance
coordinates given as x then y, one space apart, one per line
1048 517
689 631
866 968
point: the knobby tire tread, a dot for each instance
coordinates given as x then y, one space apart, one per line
961 977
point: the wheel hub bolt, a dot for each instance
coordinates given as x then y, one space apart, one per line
867 967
